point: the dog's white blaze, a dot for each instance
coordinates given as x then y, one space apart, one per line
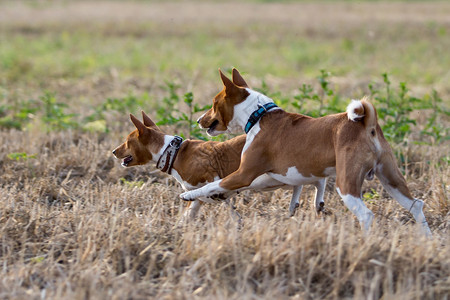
351 108
293 177
359 209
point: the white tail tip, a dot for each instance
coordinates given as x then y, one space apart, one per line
355 110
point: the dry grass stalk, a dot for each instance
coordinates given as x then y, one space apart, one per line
71 229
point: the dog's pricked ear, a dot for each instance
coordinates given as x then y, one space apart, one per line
226 82
147 121
140 127
230 87
237 79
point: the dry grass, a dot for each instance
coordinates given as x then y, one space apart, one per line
71 229
76 225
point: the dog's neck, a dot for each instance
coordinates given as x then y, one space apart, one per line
157 155
243 110
167 159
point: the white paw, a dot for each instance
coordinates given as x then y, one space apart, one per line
187 196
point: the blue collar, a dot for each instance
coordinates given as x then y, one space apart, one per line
257 114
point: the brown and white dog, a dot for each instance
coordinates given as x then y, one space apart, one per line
194 163
296 149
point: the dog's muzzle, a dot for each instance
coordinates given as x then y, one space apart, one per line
212 127
199 120
126 161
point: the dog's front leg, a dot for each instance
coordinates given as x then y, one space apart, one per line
210 189
242 178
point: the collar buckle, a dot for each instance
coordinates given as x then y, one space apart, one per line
176 142
167 158
262 106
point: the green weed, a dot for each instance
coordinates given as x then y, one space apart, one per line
54 115
320 103
96 121
132 184
129 103
370 197
395 106
170 113
17 115
435 129
21 156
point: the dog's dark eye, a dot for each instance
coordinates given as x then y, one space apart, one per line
373 132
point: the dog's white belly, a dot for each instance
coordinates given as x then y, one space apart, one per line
294 177
264 182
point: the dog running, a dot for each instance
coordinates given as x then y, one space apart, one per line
295 149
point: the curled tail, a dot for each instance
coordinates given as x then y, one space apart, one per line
362 110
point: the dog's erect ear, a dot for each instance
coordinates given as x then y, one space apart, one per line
147 121
237 79
140 127
230 87
226 82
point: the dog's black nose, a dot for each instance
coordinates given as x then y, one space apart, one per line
114 151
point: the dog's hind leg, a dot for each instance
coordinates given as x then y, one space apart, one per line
295 203
357 207
320 191
349 180
394 183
